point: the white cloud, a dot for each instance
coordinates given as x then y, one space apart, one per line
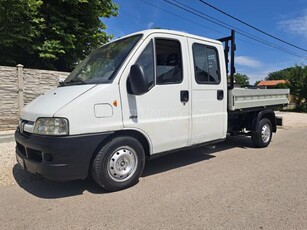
150 25
296 25
247 61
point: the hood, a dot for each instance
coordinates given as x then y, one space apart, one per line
49 103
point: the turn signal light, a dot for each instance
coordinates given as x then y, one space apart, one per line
115 103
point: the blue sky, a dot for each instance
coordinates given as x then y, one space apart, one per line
286 20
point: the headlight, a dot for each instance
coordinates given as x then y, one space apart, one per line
51 126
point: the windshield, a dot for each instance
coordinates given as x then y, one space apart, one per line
102 64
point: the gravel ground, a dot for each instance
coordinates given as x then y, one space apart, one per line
7 162
293 120
10 172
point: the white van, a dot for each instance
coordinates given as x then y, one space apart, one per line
146 93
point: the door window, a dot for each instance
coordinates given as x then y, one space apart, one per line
146 60
206 64
165 67
168 62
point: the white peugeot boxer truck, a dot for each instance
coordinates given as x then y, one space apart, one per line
150 92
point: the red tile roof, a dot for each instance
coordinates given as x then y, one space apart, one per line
271 83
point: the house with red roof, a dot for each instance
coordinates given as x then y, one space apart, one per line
271 83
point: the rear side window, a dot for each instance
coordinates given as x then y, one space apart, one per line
206 65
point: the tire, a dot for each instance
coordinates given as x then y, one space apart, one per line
119 163
263 135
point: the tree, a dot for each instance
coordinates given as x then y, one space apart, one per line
242 79
256 83
297 82
19 25
298 87
281 86
284 74
52 34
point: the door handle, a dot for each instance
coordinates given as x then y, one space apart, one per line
220 95
184 96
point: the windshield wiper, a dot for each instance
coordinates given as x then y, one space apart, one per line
75 81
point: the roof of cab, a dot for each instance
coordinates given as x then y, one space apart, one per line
173 32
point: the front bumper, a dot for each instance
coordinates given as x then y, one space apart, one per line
57 158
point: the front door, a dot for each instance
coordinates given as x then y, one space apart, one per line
209 115
163 113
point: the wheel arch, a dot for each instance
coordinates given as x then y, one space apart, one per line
139 135
267 113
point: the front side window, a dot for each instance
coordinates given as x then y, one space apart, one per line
206 64
102 64
146 60
162 63
168 61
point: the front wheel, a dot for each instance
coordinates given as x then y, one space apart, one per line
119 163
262 136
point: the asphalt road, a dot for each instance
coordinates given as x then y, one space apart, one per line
233 186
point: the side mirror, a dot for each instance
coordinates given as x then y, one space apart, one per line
138 80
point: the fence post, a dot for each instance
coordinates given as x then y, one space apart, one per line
20 87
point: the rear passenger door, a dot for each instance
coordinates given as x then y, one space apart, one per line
209 115
163 113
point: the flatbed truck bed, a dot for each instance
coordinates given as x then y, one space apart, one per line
242 98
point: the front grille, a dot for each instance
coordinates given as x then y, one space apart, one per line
26 127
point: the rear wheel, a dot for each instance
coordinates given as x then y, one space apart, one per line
262 136
119 163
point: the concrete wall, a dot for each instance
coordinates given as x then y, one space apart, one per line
19 86
8 97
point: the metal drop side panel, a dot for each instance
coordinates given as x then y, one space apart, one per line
240 98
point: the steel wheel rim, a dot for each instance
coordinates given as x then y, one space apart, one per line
266 133
122 164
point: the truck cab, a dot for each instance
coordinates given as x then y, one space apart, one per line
147 93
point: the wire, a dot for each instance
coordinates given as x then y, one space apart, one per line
227 26
213 20
196 23
133 22
253 27
192 11
157 7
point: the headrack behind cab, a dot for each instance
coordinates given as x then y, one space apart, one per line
226 41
